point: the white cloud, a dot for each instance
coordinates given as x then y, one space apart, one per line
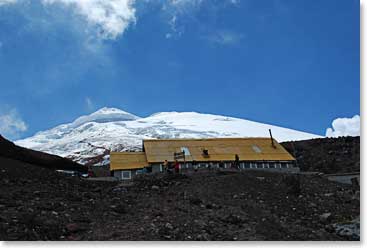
344 127
234 2
11 124
184 5
89 103
225 37
179 11
111 17
3 2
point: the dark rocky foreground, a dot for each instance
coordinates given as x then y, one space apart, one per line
327 155
39 204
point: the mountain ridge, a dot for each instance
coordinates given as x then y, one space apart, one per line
9 150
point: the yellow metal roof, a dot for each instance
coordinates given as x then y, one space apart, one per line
127 160
219 149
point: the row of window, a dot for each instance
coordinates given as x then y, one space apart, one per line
266 165
243 165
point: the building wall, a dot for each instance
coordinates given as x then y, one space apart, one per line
121 174
288 166
156 168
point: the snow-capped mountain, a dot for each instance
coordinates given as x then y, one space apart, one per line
90 138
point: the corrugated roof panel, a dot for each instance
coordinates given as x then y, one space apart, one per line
127 160
221 149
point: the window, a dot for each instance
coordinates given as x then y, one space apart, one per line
256 149
272 165
247 165
125 174
284 166
186 151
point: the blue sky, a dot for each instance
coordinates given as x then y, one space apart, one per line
290 63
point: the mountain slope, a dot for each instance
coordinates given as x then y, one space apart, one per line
328 155
13 153
89 139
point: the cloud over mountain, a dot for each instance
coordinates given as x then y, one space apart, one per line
109 19
344 127
112 17
11 124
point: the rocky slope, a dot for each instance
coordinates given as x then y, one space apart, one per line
38 204
11 151
89 139
327 155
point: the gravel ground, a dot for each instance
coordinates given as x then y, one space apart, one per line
39 204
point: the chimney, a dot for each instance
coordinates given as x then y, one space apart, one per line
272 141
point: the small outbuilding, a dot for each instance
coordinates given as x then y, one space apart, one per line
125 165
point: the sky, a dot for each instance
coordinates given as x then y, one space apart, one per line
294 64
